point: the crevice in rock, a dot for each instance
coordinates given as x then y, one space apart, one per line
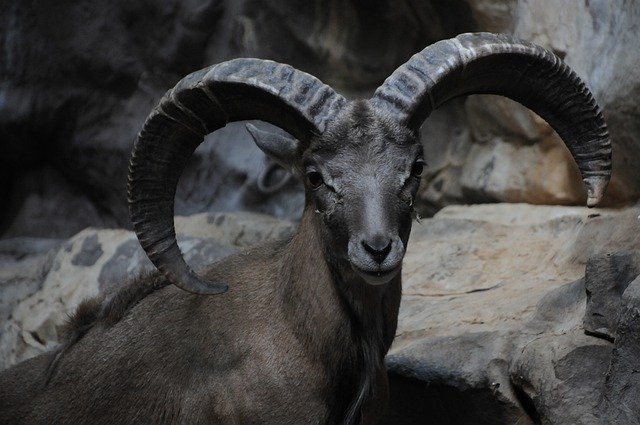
527 404
413 401
600 335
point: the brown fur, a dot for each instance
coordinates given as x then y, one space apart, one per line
282 346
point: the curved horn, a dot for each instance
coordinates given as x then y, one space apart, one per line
199 104
484 63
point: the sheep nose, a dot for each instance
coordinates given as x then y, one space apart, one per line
378 246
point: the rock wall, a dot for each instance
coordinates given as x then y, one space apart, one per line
78 79
504 152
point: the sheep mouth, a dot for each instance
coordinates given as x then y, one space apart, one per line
377 276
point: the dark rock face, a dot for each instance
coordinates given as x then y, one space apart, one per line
79 80
414 402
620 403
606 279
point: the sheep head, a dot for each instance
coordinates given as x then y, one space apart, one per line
361 176
360 160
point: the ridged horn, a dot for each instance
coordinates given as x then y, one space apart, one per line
199 104
485 63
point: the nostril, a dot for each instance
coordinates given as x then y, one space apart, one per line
378 246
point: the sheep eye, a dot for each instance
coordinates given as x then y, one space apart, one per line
315 179
417 168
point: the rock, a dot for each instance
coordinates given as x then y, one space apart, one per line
555 368
542 173
516 157
83 93
513 156
447 142
596 39
620 403
441 373
43 287
606 279
48 205
25 262
492 315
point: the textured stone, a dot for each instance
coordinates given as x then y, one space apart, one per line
491 317
597 39
24 263
513 155
492 311
606 279
89 253
84 92
620 403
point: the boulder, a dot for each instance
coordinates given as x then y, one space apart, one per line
606 279
620 403
494 302
597 39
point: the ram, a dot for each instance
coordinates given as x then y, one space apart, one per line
294 331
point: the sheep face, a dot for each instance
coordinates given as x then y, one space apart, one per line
361 177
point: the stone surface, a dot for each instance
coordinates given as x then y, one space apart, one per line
74 100
620 402
492 315
24 262
606 279
511 154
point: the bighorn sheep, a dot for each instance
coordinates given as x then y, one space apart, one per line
301 327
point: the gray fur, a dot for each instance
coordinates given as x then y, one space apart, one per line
299 337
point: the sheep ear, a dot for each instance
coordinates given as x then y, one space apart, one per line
283 149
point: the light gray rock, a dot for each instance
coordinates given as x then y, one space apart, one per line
492 315
491 323
596 38
24 263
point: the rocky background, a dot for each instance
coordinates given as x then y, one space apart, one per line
512 313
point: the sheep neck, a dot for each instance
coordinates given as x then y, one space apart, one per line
335 313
